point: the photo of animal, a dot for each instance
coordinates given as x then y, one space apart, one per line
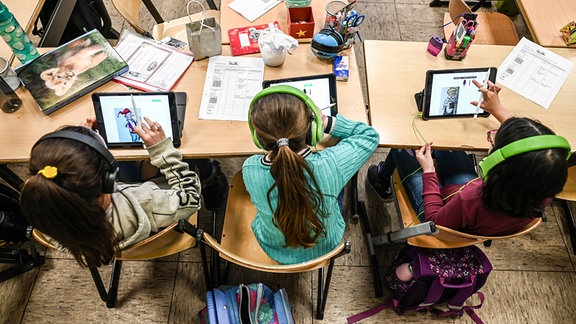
82 56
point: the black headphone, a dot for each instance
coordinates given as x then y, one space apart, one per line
109 179
327 43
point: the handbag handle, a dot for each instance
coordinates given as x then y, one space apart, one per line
203 16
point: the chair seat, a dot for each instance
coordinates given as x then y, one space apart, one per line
239 244
493 28
446 238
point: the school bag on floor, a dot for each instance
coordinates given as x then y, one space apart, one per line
246 304
441 276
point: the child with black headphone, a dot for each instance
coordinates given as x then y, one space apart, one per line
526 167
295 190
72 195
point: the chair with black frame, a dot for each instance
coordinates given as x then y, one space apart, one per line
164 243
567 197
239 246
130 10
494 28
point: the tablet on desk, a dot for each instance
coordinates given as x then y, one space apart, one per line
117 114
320 88
448 93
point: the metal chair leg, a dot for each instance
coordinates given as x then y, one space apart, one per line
110 296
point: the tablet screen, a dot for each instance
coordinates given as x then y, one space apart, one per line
117 114
320 88
448 93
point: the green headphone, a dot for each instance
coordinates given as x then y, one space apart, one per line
316 126
528 144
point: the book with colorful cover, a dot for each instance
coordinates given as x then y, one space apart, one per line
71 70
244 40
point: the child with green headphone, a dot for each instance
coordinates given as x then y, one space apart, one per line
525 168
294 189
72 195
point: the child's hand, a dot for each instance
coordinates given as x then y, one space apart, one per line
424 157
491 101
89 122
150 132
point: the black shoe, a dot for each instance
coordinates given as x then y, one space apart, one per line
214 188
377 184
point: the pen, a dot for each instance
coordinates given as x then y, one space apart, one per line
485 84
135 110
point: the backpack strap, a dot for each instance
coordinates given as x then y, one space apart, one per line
367 313
221 306
468 309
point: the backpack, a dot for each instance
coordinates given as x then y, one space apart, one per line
13 226
246 304
86 15
440 276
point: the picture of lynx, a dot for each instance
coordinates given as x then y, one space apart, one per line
80 58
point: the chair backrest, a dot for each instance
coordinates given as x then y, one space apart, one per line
493 27
164 243
569 190
238 244
130 10
456 8
176 28
446 237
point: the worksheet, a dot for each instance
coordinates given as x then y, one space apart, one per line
534 72
231 83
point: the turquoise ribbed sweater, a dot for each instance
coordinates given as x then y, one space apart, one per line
332 167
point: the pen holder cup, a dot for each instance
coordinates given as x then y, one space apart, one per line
334 14
300 22
204 38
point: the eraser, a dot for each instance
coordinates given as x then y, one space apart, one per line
341 68
435 45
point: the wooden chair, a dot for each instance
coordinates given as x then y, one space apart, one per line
164 243
239 246
130 10
493 27
445 238
567 195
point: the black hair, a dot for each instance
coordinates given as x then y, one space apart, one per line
520 185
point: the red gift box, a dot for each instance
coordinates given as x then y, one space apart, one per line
300 22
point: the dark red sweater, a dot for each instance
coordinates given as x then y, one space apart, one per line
464 211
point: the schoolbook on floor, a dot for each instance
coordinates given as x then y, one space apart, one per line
71 70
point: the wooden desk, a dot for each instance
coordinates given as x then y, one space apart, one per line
201 138
26 12
395 71
545 18
231 19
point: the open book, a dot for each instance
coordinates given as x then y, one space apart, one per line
71 70
153 66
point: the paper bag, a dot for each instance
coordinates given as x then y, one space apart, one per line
204 38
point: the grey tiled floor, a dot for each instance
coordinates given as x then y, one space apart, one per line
533 279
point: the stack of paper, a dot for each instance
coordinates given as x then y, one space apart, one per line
252 9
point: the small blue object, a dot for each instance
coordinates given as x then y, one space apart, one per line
327 43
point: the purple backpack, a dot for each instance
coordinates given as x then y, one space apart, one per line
440 276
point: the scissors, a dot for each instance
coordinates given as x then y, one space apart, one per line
354 20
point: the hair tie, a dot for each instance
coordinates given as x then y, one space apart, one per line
49 172
282 142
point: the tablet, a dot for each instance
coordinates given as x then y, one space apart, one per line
320 88
116 115
448 93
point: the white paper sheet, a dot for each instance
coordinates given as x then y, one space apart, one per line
231 83
534 72
252 9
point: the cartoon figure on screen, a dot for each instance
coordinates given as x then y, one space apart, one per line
451 102
130 123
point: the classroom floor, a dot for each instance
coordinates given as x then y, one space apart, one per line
533 279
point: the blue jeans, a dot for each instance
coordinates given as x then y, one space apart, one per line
455 167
